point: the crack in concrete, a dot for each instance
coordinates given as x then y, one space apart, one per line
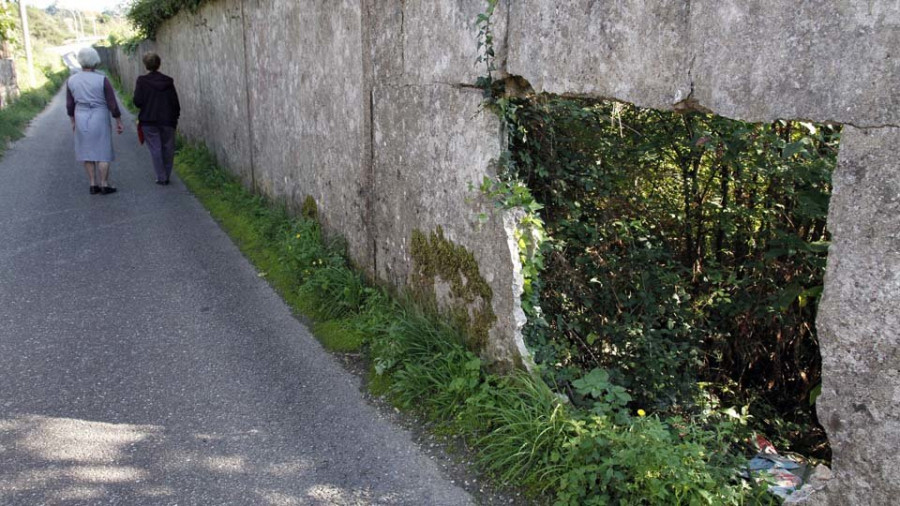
869 127
403 37
247 93
692 54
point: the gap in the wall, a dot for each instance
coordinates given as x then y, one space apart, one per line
686 258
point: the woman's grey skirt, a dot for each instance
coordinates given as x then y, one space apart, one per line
93 134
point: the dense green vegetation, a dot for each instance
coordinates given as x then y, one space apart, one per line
148 15
685 255
521 431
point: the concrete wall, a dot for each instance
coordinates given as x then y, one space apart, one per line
367 106
9 86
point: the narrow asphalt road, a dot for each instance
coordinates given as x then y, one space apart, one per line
144 362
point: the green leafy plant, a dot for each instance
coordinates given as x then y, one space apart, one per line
148 15
608 398
675 247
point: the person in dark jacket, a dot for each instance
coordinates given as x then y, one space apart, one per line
155 96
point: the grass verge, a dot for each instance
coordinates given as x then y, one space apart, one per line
522 433
16 117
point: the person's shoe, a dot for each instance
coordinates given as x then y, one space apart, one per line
160 182
95 190
166 182
106 190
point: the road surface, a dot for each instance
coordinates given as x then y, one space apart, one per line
144 362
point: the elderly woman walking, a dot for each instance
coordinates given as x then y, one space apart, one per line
155 96
90 100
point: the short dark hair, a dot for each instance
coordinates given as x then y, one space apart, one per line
151 61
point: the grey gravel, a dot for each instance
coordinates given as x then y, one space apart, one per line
144 361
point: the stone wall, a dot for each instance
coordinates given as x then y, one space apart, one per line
360 105
9 86
368 106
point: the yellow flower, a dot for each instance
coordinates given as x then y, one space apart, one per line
298 236
641 412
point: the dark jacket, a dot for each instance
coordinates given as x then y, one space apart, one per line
155 96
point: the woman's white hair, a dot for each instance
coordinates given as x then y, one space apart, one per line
88 58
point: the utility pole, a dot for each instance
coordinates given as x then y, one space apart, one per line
27 38
79 31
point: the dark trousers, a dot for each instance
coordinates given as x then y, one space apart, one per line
161 142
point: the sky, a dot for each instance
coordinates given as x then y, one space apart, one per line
85 5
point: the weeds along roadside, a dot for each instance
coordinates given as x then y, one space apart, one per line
15 118
521 432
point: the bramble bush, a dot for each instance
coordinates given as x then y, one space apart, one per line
683 249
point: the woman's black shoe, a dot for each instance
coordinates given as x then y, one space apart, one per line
95 190
160 182
106 190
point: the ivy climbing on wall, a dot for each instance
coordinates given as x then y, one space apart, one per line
149 15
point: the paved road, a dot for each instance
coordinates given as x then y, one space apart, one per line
143 361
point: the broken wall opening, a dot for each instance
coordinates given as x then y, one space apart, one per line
685 258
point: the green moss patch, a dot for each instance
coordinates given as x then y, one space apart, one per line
338 336
438 258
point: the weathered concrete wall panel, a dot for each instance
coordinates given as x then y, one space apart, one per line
307 106
758 61
9 86
427 153
447 55
408 49
218 43
632 50
177 46
859 321
819 60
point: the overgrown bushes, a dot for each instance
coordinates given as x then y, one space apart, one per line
685 250
521 432
147 16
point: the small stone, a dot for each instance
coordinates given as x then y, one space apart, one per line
821 473
800 496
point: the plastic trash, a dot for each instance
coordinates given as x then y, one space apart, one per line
783 474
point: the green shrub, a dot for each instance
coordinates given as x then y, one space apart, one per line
148 15
683 248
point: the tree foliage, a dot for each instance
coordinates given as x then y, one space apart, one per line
149 15
685 249
8 22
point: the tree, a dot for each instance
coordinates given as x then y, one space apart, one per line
7 28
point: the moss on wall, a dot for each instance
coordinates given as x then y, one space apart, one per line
309 209
435 257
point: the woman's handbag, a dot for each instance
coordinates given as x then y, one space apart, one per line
140 133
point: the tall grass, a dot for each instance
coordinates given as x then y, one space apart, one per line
15 117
